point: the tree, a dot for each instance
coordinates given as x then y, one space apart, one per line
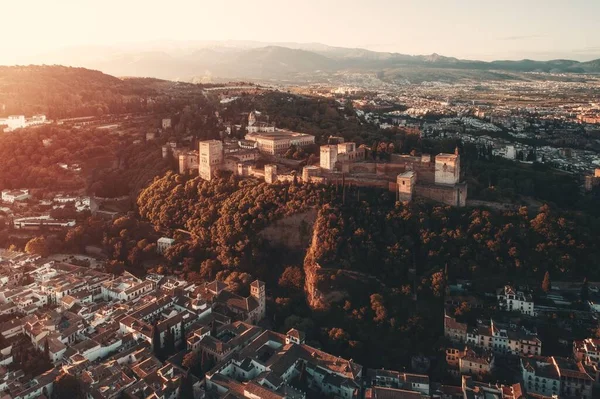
208 269
47 350
292 278
169 348
115 267
156 344
206 362
338 334
187 387
237 281
438 284
38 246
190 360
183 345
378 307
67 386
546 285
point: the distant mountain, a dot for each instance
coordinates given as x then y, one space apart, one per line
282 61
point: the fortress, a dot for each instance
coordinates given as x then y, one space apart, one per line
408 176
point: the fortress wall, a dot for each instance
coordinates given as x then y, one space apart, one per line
362 167
425 172
452 195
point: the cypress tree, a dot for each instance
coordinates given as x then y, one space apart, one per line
546 285
156 345
47 350
183 345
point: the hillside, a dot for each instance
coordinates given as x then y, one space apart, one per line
31 160
59 91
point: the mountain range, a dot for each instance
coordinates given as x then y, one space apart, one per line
194 61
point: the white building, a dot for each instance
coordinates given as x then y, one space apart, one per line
12 196
279 141
501 340
163 244
557 377
512 300
15 122
81 203
125 288
587 351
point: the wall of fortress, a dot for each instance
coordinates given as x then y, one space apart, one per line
425 170
451 195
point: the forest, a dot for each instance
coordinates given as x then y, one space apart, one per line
66 92
111 165
60 92
377 268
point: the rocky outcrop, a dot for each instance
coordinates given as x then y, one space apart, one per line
326 281
320 288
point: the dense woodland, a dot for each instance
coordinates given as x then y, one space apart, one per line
66 92
110 164
60 92
375 255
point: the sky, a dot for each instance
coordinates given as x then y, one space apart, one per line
473 29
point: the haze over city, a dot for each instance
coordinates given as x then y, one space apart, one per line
485 30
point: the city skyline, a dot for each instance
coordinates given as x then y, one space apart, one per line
540 30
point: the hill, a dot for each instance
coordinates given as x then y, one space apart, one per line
59 91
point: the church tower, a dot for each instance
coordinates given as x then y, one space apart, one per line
257 291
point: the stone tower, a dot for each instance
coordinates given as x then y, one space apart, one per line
257 291
328 156
447 169
211 158
406 185
270 173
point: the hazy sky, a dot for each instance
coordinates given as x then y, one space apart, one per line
482 29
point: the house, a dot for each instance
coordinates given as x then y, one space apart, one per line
501 339
512 300
398 380
126 287
455 331
477 363
250 309
561 377
477 390
587 351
